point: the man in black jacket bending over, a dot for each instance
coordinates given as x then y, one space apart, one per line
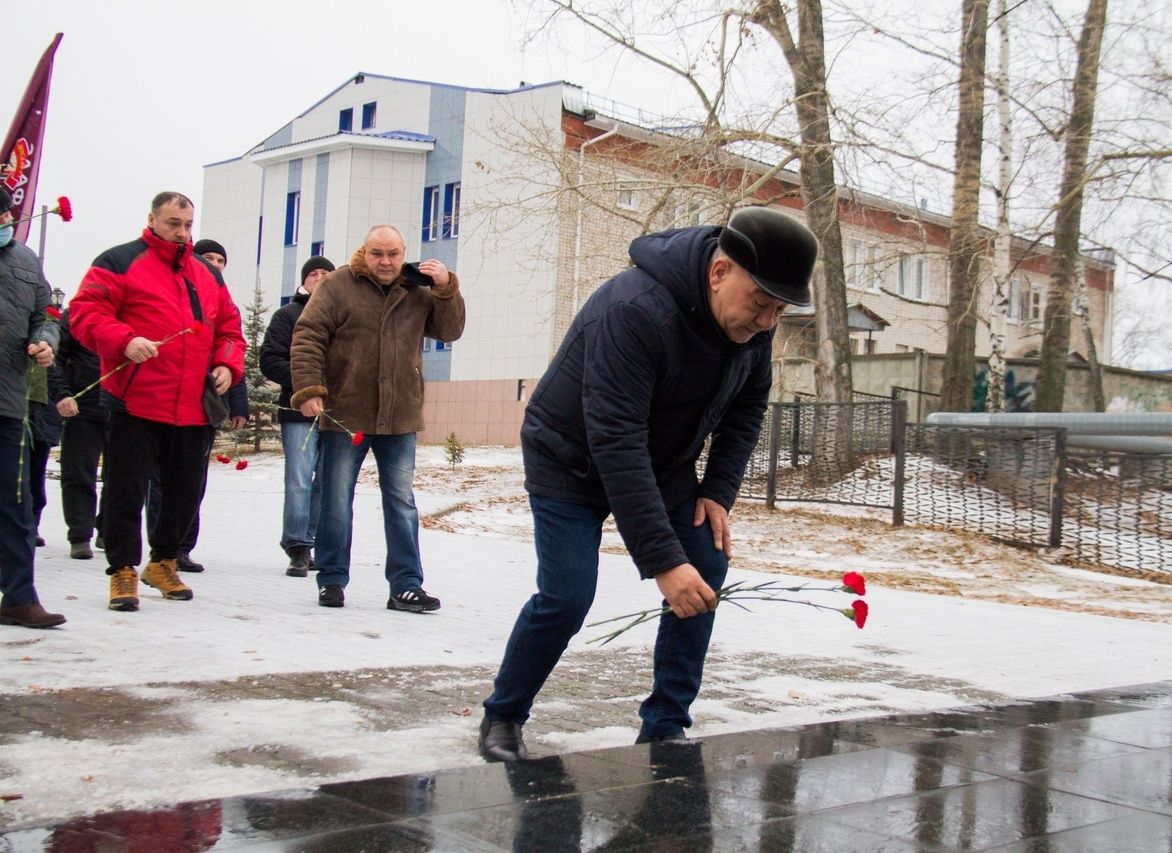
665 354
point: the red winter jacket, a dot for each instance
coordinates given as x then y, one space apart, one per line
154 289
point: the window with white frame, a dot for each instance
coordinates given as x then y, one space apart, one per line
1013 299
1032 310
864 266
451 210
913 276
627 199
292 217
431 213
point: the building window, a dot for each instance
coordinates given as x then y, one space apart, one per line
627 199
451 210
426 344
1012 302
440 346
368 113
431 213
317 248
913 276
1031 306
346 120
864 266
292 217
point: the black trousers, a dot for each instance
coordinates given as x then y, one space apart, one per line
155 500
82 442
134 449
38 463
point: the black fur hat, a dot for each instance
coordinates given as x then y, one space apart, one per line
777 251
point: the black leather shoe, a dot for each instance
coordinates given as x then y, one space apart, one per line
184 563
502 741
331 595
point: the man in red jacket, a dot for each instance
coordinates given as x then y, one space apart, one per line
163 323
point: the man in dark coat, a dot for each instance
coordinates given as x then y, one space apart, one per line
664 355
83 438
25 333
298 437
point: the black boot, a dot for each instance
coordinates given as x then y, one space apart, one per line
502 741
298 561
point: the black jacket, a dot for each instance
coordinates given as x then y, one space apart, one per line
75 368
274 354
643 377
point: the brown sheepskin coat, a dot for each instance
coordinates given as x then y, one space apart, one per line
358 345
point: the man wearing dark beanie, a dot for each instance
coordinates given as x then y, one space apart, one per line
302 453
212 252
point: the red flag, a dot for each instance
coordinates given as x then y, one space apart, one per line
22 146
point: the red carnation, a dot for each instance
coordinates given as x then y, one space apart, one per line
857 612
854 582
196 327
222 459
356 438
53 312
243 463
64 209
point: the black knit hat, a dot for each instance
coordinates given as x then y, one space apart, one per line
317 262
5 200
777 251
204 246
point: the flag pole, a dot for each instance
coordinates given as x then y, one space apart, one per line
20 156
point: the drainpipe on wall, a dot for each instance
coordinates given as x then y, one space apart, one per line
581 205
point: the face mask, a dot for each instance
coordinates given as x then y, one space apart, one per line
6 232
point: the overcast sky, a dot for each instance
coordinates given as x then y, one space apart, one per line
145 94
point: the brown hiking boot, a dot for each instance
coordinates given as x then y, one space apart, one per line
161 575
30 616
124 589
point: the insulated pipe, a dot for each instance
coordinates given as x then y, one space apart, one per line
1124 443
1075 423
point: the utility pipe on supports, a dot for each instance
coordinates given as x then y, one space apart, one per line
1138 432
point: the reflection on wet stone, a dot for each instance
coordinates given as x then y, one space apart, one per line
1079 773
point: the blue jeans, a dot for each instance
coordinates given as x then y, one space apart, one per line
341 461
17 534
567 536
303 472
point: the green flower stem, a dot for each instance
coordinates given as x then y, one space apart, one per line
735 592
111 372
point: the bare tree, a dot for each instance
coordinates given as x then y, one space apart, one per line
965 243
1002 262
807 61
1064 258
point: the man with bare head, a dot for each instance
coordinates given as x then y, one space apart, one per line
357 367
163 325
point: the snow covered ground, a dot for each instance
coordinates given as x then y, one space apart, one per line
251 686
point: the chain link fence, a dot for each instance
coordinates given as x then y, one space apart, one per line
1023 486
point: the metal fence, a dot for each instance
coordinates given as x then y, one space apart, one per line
1023 486
920 404
1117 509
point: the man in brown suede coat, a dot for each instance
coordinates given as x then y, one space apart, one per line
357 367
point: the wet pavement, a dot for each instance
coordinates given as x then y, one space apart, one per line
1081 772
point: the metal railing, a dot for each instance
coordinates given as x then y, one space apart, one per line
1020 485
